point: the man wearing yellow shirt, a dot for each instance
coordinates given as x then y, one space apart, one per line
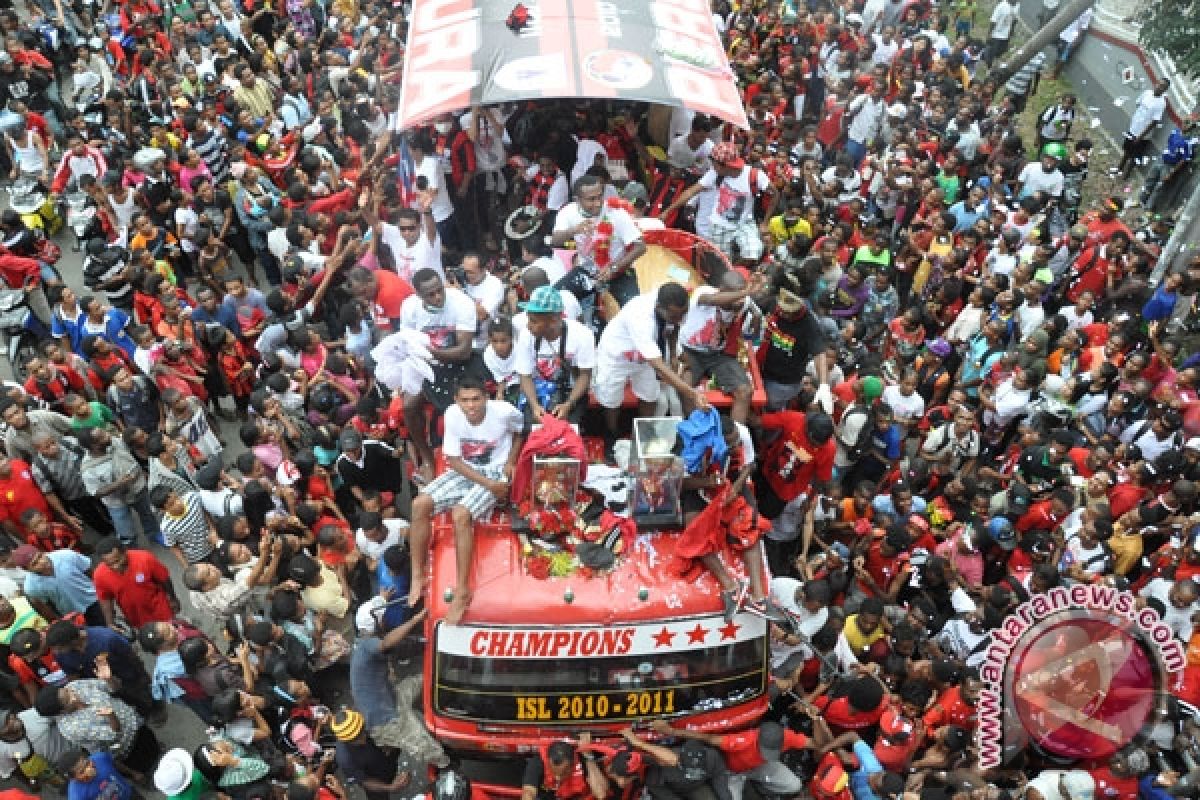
254 95
864 631
783 227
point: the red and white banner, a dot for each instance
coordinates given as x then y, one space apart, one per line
657 51
598 642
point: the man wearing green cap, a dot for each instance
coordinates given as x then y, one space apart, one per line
555 357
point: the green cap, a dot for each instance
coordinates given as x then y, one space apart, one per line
871 388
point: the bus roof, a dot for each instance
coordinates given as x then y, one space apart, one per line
505 593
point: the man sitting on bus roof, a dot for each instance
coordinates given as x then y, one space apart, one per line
481 444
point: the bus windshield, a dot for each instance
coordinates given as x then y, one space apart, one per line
605 688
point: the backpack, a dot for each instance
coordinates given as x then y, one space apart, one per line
862 443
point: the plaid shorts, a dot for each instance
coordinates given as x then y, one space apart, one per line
744 234
452 489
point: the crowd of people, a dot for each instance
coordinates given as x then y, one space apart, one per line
943 385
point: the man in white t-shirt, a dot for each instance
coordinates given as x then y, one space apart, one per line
706 332
485 290
1147 115
1042 175
636 348
732 225
554 358
581 222
1004 17
412 243
447 316
436 182
483 439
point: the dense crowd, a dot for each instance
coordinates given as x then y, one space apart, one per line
932 380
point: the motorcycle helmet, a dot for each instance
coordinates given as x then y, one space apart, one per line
451 785
1001 531
1055 150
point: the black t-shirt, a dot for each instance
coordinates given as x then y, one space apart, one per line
791 344
666 783
366 761
29 88
1042 474
378 470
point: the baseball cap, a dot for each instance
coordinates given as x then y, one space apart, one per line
1002 533
350 440
726 154
174 773
364 617
635 193
544 300
1018 498
871 387
1192 443
939 347
895 726
770 741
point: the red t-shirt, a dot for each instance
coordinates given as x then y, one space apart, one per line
1110 787
390 295
1078 456
741 749
138 590
18 494
950 709
783 470
844 717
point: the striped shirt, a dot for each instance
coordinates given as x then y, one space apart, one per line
214 151
62 475
189 531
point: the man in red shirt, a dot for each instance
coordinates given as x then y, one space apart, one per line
751 755
19 493
1048 514
136 581
384 290
20 272
801 457
1099 268
1118 779
955 706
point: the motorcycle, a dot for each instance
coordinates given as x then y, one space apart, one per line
37 209
21 329
82 217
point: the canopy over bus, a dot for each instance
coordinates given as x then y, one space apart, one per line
483 52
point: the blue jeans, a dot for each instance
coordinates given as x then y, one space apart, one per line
122 517
856 150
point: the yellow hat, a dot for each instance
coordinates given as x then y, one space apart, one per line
347 725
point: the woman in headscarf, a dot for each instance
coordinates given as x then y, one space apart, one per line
1032 351
232 769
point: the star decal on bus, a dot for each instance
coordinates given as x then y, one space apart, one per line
729 630
663 638
697 634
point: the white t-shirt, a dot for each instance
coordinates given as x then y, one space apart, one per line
487 444
1035 179
1148 111
424 254
734 197
186 216
489 293
455 317
1074 319
1003 18
907 409
884 52
704 326
431 168
397 530
680 154
579 352
625 232
632 336
504 370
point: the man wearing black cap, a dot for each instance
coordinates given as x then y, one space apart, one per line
751 755
368 464
693 771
